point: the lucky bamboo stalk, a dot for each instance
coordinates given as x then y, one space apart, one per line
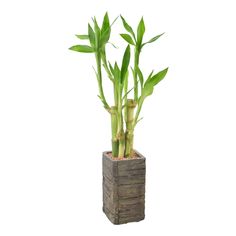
115 141
135 74
99 78
124 111
129 134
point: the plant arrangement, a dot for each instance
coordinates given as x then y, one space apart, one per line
126 107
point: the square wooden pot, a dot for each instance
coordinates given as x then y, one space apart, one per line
124 189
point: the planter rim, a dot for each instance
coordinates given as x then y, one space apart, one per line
125 159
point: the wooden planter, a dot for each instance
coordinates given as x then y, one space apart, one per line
124 189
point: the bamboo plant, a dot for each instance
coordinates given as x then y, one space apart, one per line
125 110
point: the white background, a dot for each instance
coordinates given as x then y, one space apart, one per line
53 128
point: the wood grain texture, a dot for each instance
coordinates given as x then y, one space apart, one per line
124 189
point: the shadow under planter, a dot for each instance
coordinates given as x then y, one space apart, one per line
124 188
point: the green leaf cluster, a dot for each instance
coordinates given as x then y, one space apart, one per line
97 37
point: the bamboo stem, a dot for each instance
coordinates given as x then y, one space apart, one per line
129 134
100 87
136 62
115 141
121 143
120 129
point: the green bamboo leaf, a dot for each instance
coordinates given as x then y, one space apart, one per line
149 77
140 32
116 72
128 27
96 27
104 103
147 91
158 77
113 45
91 35
113 22
105 23
127 38
125 63
150 83
105 30
126 93
126 84
153 39
82 48
82 36
139 120
111 68
140 75
97 33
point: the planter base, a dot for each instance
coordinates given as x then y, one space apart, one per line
124 189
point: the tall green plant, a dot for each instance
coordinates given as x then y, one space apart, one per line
124 111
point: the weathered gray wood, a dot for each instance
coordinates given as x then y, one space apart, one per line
124 189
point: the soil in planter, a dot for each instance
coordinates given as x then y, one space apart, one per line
134 156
